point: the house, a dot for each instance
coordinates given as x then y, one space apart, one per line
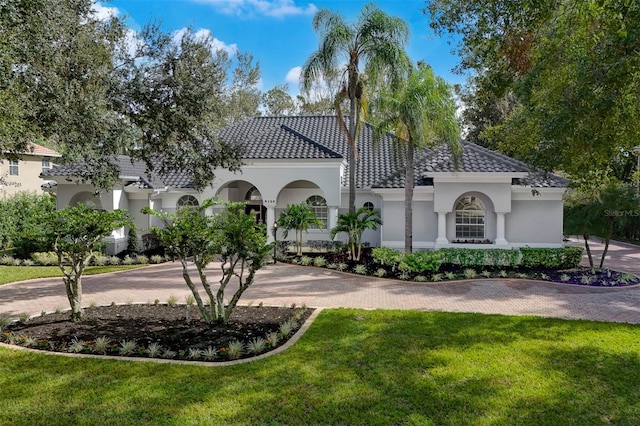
491 200
24 174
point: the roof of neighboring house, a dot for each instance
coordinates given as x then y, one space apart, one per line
35 149
380 163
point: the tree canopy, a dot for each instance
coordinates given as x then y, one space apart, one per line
377 41
555 82
92 88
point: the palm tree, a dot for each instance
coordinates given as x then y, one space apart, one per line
299 217
354 224
421 113
375 39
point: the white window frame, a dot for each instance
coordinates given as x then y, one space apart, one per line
14 168
187 201
470 216
319 206
46 164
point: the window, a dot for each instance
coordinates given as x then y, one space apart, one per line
253 195
319 207
369 206
188 201
13 168
46 164
470 218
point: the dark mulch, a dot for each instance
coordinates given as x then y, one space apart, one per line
176 328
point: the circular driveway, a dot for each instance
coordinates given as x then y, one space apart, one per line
284 284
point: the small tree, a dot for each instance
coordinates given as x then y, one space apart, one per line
76 233
233 235
299 217
354 224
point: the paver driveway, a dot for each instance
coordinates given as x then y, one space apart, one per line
283 284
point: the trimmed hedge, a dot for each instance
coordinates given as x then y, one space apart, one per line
526 257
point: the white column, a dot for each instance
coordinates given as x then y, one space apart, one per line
442 228
332 211
500 240
271 218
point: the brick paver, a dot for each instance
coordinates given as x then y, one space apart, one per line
284 284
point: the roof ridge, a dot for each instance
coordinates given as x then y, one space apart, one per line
311 141
497 155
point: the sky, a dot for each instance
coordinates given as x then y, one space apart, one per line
279 33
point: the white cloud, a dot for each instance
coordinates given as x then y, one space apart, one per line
203 33
273 8
103 13
293 76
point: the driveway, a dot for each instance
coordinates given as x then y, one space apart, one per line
284 284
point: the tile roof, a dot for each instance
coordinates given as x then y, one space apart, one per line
380 163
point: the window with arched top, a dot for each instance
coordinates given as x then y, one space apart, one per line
188 201
319 206
253 195
470 213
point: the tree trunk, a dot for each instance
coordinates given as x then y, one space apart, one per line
74 294
408 200
352 155
589 255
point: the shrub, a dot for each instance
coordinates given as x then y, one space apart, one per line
360 269
423 261
47 258
6 260
305 260
156 258
235 350
471 258
142 259
386 256
319 261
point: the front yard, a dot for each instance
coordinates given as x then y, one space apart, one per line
356 367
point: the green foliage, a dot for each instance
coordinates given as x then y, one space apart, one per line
376 41
298 217
76 232
386 256
534 258
421 112
20 217
277 101
475 258
422 261
354 224
555 82
232 237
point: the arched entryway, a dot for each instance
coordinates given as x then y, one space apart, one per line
87 198
253 198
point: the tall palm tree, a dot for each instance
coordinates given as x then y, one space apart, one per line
376 40
421 113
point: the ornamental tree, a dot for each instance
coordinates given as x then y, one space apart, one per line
76 233
354 224
299 217
231 236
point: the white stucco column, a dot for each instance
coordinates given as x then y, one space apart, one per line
500 240
271 218
332 211
442 228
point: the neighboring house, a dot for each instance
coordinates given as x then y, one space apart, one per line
24 174
491 201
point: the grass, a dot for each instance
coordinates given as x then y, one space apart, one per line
357 367
9 274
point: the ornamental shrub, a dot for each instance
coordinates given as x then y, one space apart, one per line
423 261
386 256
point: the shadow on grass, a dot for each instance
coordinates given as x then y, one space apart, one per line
357 367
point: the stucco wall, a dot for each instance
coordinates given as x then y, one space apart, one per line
29 168
534 222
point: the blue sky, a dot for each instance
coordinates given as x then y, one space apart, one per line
278 32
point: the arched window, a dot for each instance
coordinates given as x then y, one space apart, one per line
369 206
319 207
253 195
470 218
188 201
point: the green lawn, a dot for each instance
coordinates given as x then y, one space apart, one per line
357 367
9 274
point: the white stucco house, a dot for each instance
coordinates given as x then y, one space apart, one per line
491 200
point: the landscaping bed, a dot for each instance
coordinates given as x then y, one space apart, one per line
160 331
554 265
